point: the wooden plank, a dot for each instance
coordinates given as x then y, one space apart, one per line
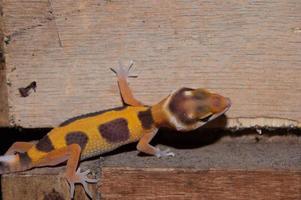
247 50
44 184
4 121
127 183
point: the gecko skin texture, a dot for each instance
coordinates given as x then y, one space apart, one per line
96 133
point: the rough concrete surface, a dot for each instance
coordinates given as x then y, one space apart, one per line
219 156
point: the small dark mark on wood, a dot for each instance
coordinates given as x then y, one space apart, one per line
8 83
2 59
53 195
50 18
24 92
7 39
13 69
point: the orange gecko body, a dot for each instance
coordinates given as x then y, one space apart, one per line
93 132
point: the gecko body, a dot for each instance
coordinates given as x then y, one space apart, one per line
92 134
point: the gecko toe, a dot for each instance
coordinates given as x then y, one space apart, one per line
71 189
122 71
82 178
164 153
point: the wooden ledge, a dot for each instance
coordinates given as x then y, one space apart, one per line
46 184
223 170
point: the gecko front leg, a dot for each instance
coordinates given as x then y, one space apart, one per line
144 146
123 85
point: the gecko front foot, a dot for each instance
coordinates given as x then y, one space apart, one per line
80 177
164 153
120 71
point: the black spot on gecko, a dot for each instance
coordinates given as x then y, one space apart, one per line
93 114
79 138
45 144
115 131
25 160
146 118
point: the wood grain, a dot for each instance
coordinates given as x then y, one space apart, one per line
4 121
246 50
146 183
44 184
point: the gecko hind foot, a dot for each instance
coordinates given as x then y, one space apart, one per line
164 153
81 177
120 71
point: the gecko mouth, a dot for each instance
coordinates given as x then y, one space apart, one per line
214 116
206 119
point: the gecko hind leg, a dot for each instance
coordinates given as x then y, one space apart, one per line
71 153
19 147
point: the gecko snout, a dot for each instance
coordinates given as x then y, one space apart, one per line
219 103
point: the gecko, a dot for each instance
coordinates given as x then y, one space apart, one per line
93 134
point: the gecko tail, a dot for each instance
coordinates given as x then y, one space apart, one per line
14 163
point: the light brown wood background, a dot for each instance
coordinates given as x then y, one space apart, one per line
249 51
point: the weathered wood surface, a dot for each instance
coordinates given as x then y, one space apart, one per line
246 50
3 89
45 184
3 98
252 167
127 183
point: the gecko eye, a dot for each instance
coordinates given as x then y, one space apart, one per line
200 96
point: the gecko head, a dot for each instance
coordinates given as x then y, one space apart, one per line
189 109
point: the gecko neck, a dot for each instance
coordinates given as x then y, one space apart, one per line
159 115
